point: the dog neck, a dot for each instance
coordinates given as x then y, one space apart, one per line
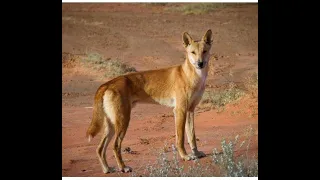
191 71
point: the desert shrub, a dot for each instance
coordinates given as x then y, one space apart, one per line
225 161
196 8
111 67
229 166
251 84
221 98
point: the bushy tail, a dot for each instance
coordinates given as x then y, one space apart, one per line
97 118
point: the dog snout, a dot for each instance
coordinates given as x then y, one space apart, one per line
200 64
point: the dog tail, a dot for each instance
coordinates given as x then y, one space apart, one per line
98 115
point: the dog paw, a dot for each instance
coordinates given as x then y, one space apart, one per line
189 157
126 169
199 154
194 155
107 170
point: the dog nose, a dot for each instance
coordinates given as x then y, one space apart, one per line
200 64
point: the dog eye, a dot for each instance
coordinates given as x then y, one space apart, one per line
193 52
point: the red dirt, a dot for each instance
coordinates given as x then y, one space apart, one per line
148 37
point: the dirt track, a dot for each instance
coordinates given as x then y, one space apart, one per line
148 37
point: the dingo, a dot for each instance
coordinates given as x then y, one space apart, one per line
180 87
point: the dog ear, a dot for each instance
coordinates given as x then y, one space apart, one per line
187 39
207 38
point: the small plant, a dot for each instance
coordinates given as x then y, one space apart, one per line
199 170
197 8
164 167
144 141
219 99
226 160
68 60
223 164
251 84
111 67
229 166
155 4
93 58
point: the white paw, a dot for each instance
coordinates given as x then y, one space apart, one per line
189 157
106 170
126 169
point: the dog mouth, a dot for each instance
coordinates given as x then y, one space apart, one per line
198 67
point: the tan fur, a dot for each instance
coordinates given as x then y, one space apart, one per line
178 86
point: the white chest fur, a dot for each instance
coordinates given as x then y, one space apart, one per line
199 89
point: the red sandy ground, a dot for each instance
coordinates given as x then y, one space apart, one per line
148 37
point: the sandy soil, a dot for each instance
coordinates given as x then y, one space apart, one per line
148 37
